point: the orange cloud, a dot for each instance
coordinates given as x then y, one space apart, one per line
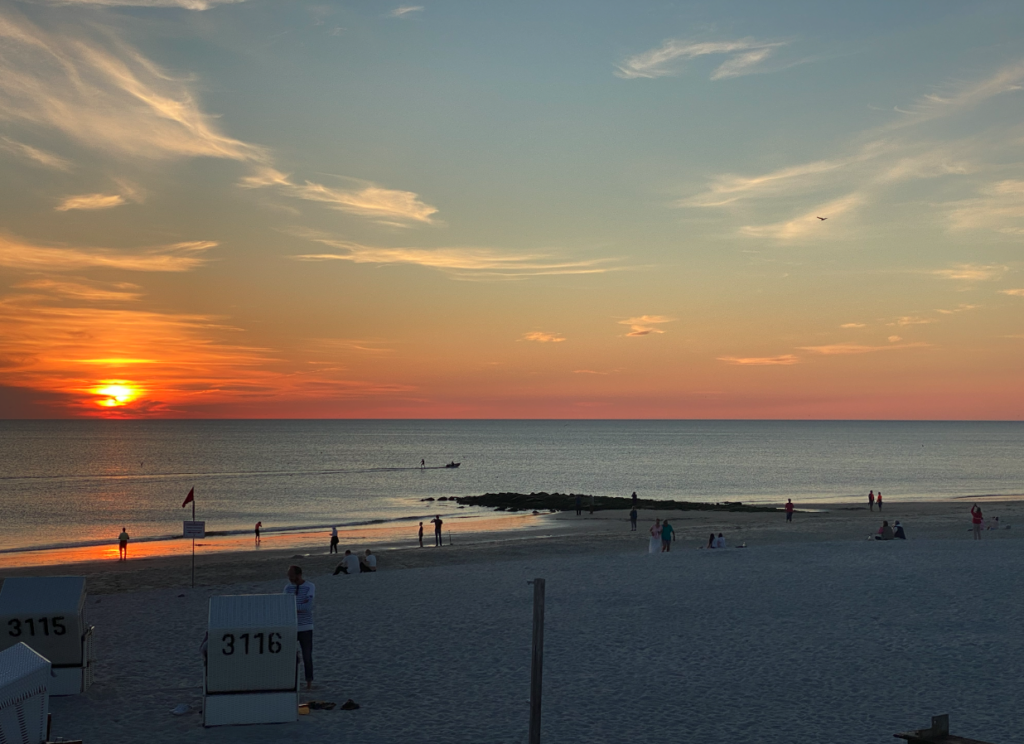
644 325
843 349
543 337
782 360
91 201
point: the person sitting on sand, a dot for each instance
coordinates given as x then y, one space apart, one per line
668 534
349 564
885 531
711 541
368 562
720 541
898 532
122 544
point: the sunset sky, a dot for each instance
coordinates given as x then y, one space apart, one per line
282 208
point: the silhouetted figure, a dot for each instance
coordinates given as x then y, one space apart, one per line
421 534
334 541
122 544
878 500
789 510
438 539
257 531
634 499
632 519
579 505
871 500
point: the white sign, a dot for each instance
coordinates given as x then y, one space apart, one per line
194 529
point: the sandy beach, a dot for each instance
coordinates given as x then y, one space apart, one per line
811 633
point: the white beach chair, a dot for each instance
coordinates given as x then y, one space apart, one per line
24 695
252 668
48 615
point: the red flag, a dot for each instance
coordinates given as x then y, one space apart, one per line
191 497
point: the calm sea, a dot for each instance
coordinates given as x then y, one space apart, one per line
77 482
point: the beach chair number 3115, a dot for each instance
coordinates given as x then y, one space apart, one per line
273 643
57 623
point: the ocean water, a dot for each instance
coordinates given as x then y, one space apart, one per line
77 482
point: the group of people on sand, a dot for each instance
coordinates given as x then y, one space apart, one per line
874 499
893 532
438 537
662 535
353 564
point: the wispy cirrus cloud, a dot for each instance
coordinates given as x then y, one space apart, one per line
962 95
972 272
185 4
106 95
845 349
1000 208
461 262
34 154
1013 292
745 58
543 337
853 325
19 254
90 201
403 10
808 224
390 206
782 360
644 325
82 289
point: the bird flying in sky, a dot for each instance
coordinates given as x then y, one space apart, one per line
823 218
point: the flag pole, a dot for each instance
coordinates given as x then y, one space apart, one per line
193 545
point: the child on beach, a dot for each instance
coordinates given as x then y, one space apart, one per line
122 545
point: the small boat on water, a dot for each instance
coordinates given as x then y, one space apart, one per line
453 464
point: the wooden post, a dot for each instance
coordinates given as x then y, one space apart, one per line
537 660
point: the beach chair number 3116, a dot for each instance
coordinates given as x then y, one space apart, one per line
46 622
273 643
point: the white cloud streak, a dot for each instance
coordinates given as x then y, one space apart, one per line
34 154
747 55
972 272
784 360
19 254
543 337
107 96
184 4
90 201
404 10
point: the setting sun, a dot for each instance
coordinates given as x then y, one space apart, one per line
115 394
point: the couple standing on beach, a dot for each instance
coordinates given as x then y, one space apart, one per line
662 534
873 499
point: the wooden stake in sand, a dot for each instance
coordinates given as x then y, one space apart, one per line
537 660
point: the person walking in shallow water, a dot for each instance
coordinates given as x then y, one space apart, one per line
122 544
257 531
871 500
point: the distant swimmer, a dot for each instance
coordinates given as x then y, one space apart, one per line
122 544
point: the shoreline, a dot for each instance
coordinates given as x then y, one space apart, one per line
604 533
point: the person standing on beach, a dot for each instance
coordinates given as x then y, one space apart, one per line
668 534
122 545
878 500
632 519
592 500
304 592
438 538
655 536
423 464
634 497
976 520
871 500
421 534
334 540
579 505
258 525
789 510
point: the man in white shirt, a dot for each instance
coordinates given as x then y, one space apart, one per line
304 592
720 541
349 564
368 563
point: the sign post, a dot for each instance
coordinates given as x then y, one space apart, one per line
194 529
